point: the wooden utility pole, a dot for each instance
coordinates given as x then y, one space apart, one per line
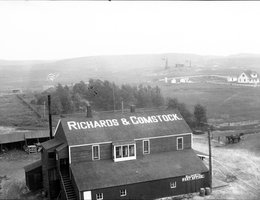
166 63
210 161
50 117
122 104
114 105
44 110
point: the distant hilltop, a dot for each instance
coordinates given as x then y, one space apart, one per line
133 69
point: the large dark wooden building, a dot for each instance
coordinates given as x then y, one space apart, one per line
135 155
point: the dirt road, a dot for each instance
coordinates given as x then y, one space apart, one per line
236 164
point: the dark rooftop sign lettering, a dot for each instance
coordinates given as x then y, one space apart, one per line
132 120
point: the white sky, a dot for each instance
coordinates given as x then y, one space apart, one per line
55 30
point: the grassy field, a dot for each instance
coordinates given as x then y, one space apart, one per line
226 102
14 113
12 175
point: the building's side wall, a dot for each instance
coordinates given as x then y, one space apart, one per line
168 144
45 177
47 165
139 149
154 189
84 153
157 145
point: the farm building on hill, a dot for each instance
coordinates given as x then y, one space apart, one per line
135 155
248 77
232 79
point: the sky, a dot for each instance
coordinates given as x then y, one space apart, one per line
56 30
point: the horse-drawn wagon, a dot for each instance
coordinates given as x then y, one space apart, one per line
234 138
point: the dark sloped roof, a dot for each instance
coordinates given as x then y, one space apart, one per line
61 147
249 73
123 132
33 165
11 137
18 136
106 173
51 143
37 134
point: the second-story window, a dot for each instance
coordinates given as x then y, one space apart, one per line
95 152
124 152
146 147
179 143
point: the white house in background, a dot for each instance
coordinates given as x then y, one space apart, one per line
184 80
232 79
180 80
248 77
173 80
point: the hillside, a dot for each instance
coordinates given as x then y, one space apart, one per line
119 68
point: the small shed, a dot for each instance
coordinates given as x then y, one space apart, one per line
33 175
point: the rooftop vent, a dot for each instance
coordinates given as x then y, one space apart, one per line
132 108
89 112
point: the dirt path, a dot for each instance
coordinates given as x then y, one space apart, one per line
240 167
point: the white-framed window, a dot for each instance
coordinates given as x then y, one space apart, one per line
173 184
179 143
146 146
123 193
124 152
95 152
99 196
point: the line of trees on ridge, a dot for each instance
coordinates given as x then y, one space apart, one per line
104 95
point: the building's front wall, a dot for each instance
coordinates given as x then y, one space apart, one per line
243 78
157 145
153 189
84 153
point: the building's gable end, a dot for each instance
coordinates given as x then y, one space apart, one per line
243 75
59 132
243 78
